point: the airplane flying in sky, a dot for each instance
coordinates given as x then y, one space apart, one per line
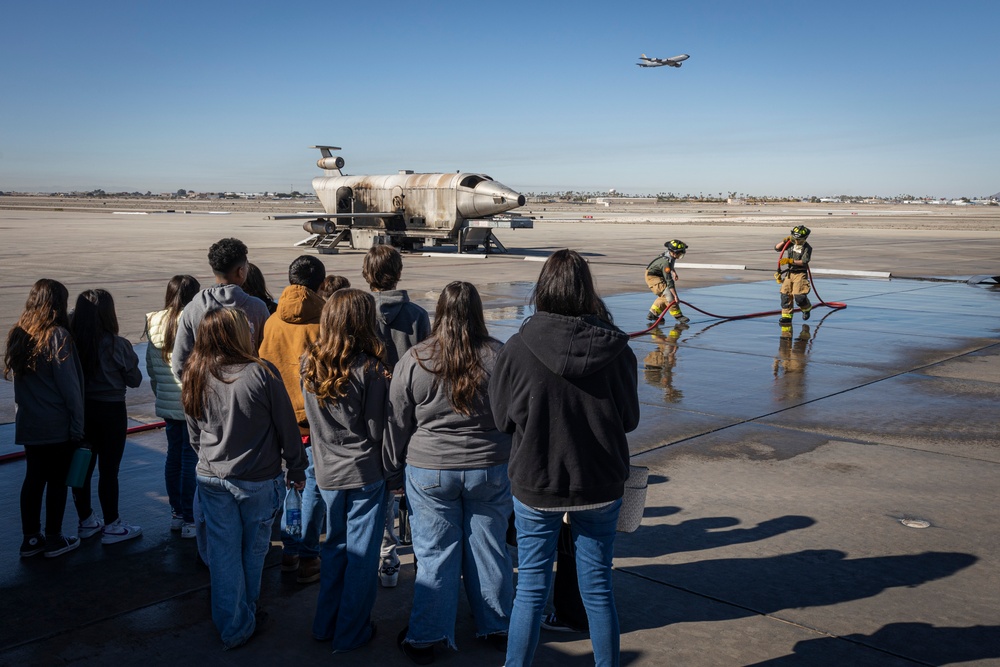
660 62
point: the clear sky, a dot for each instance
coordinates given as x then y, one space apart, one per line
779 97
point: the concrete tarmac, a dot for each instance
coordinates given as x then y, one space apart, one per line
787 465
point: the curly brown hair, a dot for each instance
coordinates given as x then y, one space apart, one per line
347 330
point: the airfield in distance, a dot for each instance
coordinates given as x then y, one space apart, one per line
784 463
89 243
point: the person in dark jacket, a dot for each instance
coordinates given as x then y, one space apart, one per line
401 325
109 366
48 423
566 386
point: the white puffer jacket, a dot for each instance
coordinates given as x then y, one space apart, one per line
165 386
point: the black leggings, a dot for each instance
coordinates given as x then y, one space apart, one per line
104 426
45 474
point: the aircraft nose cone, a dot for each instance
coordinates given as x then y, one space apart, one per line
489 198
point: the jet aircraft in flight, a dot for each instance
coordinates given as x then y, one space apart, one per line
660 62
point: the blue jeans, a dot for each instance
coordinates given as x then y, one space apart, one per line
179 471
349 575
459 520
537 537
238 515
313 518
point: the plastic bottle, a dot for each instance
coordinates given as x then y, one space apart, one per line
293 512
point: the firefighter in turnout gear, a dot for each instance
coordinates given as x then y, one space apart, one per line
661 276
793 273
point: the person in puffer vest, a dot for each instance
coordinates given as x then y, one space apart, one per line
179 471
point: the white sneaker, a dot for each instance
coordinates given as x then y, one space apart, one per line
388 576
119 531
176 522
188 531
89 527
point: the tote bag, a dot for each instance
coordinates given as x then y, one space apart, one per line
634 500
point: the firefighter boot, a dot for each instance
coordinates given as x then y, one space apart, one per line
679 316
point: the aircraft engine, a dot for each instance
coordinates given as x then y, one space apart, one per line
319 227
330 162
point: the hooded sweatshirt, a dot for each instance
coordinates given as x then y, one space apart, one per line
287 333
247 426
50 398
567 388
211 298
424 430
347 435
401 323
117 368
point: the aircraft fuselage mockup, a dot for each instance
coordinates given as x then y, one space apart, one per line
407 209
675 61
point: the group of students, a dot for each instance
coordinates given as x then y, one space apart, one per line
70 379
357 397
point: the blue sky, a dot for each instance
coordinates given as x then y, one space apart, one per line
796 97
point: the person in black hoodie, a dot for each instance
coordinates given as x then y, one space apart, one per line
566 386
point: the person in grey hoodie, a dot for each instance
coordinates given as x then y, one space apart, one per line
401 325
345 387
48 423
228 259
242 425
441 427
566 387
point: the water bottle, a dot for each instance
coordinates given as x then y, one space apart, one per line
293 512
78 467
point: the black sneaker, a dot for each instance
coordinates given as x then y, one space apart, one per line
61 545
420 655
497 640
32 545
552 622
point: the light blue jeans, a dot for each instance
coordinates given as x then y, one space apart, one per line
349 575
459 520
537 538
238 515
313 518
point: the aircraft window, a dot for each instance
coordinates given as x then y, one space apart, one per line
471 181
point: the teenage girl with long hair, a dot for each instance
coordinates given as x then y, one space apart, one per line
48 391
242 425
179 470
566 386
441 426
109 366
345 384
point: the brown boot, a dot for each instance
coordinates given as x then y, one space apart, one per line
309 570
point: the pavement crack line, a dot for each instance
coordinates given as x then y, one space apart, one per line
771 616
751 420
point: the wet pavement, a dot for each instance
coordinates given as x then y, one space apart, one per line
783 462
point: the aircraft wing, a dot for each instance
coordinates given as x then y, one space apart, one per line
320 216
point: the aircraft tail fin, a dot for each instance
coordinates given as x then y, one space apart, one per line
325 150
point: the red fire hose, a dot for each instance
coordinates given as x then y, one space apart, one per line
14 456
